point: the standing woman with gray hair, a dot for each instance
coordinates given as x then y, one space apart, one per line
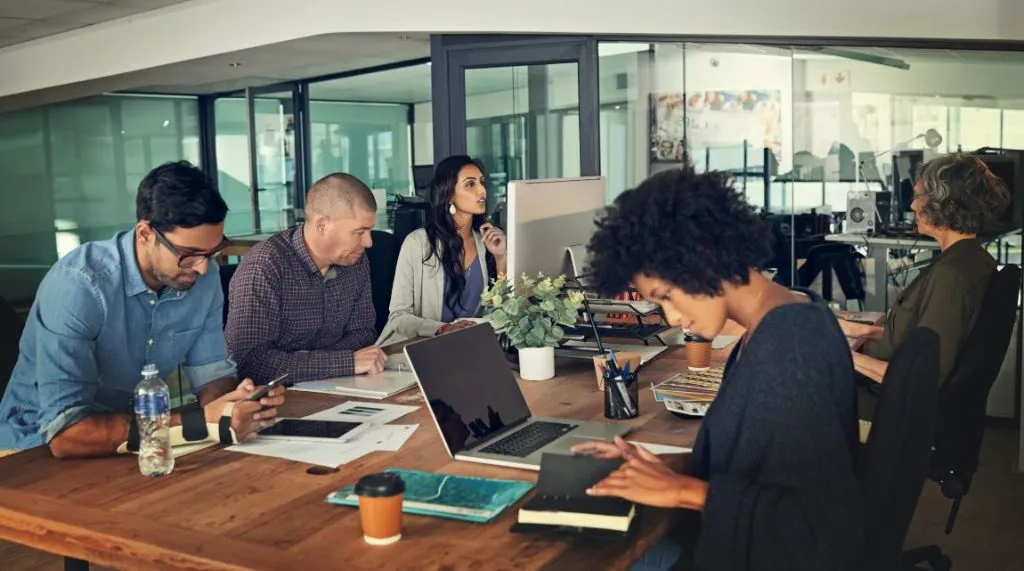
955 198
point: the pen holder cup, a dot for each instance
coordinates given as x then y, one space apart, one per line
622 357
622 397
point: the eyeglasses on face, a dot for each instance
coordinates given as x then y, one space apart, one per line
190 259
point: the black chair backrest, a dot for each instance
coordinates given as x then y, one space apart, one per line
410 214
383 257
11 327
227 271
963 397
893 465
844 260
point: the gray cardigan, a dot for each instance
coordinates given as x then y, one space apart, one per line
417 296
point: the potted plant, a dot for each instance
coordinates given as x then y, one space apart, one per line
531 315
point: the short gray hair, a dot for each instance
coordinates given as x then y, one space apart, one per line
337 194
961 193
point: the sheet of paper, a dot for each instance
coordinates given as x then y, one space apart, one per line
384 437
358 411
187 449
662 448
320 452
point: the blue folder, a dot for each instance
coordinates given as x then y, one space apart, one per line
464 498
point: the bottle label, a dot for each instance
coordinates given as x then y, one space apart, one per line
153 404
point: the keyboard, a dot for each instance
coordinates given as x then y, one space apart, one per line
530 439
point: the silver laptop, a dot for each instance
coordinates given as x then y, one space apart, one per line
480 410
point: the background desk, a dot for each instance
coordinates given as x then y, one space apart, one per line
877 286
224 510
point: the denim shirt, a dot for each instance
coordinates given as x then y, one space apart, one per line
93 326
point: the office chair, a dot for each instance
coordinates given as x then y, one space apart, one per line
383 258
843 259
227 271
964 396
893 464
11 326
410 214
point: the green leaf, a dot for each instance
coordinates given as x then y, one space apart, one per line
547 305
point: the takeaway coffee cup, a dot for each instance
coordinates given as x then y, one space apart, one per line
698 352
380 507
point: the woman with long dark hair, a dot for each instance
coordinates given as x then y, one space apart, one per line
443 268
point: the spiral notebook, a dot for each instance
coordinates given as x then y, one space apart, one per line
464 498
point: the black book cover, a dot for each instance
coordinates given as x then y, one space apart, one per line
563 482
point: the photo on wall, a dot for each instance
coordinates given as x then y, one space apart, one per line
718 120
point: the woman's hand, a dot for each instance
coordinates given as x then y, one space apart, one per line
614 450
856 330
454 326
644 479
494 241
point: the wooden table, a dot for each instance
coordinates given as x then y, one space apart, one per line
222 510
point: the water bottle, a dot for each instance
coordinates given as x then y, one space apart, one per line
153 412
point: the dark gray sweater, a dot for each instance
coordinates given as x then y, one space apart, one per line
778 448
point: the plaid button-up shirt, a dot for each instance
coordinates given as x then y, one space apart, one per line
285 316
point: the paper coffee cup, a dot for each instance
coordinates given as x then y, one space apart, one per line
698 353
621 357
380 507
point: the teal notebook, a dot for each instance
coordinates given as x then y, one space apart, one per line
465 498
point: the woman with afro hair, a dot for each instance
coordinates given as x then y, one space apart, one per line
770 483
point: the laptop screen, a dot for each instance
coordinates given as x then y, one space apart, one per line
468 384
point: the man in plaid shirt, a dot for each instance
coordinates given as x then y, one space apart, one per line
300 301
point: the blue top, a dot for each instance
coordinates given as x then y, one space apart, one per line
92 328
777 448
470 294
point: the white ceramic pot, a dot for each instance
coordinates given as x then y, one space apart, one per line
537 363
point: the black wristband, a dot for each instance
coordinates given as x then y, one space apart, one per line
224 427
193 425
133 433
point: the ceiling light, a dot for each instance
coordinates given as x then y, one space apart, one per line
404 37
166 122
235 64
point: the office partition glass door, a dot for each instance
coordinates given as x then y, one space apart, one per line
516 104
275 147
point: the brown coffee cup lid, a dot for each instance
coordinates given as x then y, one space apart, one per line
382 485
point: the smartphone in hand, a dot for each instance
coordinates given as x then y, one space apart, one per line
263 390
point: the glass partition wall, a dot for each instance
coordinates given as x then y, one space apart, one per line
799 127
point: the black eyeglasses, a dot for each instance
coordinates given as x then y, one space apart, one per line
189 260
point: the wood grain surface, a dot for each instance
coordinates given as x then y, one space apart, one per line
222 510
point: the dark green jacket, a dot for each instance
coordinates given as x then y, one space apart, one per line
945 297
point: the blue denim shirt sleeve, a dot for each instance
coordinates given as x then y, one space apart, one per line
69 314
207 360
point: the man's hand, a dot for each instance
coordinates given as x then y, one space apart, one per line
369 360
455 326
247 418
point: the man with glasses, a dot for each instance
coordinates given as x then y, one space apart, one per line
108 308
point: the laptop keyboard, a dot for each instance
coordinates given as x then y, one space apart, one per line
530 439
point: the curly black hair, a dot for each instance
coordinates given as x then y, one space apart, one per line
692 230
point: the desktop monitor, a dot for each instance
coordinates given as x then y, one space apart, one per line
546 218
421 177
1007 167
904 173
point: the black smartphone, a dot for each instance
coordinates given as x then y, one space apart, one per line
262 391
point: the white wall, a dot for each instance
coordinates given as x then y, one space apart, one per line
216 27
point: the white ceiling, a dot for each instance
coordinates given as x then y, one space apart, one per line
24 20
298 59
